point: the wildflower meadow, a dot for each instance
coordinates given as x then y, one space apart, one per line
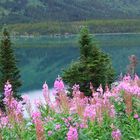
110 114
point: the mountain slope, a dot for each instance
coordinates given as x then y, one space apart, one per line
16 11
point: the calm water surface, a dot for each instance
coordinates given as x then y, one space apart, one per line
43 58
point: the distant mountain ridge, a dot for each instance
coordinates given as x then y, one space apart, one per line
17 11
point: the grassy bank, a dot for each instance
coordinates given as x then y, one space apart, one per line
96 26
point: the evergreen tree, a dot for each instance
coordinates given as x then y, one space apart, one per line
8 69
92 66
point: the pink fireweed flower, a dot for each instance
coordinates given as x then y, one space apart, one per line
82 125
19 109
7 93
73 109
77 105
14 103
48 119
136 116
65 120
14 108
116 134
127 78
36 114
46 93
90 112
112 111
76 90
50 133
37 103
57 126
108 93
69 118
136 78
38 125
4 121
45 86
76 125
76 87
129 86
58 84
72 134
7 89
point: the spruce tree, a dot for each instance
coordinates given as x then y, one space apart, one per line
92 66
8 68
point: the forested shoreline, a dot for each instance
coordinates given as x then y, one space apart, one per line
68 28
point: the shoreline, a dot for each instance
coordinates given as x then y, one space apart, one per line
71 35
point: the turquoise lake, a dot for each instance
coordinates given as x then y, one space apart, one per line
42 58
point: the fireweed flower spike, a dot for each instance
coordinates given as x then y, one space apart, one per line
14 108
76 90
58 84
116 134
8 90
59 92
72 134
36 116
46 93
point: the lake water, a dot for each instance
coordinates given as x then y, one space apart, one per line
35 96
43 58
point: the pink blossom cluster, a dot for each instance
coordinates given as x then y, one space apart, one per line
130 85
59 84
72 133
58 87
97 108
116 134
46 93
36 116
136 116
57 126
50 133
76 90
92 108
48 119
4 121
67 121
14 107
90 112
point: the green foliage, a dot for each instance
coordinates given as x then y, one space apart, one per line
127 123
97 131
93 66
8 68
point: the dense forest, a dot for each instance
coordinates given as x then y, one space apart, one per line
41 17
17 11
